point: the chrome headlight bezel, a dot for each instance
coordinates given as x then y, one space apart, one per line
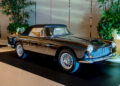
113 44
90 48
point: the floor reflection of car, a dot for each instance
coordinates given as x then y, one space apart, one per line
56 40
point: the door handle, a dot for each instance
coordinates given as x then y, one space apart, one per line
48 45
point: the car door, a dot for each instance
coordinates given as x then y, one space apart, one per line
49 43
35 40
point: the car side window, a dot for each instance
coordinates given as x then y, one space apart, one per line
49 32
27 31
37 32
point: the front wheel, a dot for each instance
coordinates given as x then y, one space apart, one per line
67 61
20 51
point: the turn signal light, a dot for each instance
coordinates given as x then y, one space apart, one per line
90 56
111 51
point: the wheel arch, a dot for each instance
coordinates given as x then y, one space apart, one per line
62 48
18 42
76 65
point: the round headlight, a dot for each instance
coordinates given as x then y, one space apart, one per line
113 44
90 48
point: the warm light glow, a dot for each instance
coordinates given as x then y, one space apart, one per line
111 51
6 49
90 56
117 37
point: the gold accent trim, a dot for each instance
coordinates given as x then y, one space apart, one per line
91 18
69 15
51 12
91 11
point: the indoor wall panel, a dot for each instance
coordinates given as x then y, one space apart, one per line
42 12
80 14
60 11
57 12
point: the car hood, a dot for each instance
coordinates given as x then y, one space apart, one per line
84 41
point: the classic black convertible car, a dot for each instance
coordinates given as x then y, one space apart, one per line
56 40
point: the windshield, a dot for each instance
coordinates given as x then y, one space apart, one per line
59 31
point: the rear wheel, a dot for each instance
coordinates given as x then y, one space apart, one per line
67 61
20 51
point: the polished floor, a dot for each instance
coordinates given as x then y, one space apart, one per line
42 70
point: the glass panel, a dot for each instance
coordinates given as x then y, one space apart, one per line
37 32
60 31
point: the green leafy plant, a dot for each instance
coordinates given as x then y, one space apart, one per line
15 9
110 19
14 26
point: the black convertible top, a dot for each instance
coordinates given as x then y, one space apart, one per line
49 25
43 25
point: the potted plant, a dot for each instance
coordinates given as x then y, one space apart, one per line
18 28
110 19
15 9
109 24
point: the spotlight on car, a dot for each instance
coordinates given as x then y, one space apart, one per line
90 49
113 44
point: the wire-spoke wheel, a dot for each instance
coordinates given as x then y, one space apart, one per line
20 51
67 61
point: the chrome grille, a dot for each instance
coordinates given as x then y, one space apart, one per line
101 52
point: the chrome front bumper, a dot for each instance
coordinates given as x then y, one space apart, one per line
90 61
